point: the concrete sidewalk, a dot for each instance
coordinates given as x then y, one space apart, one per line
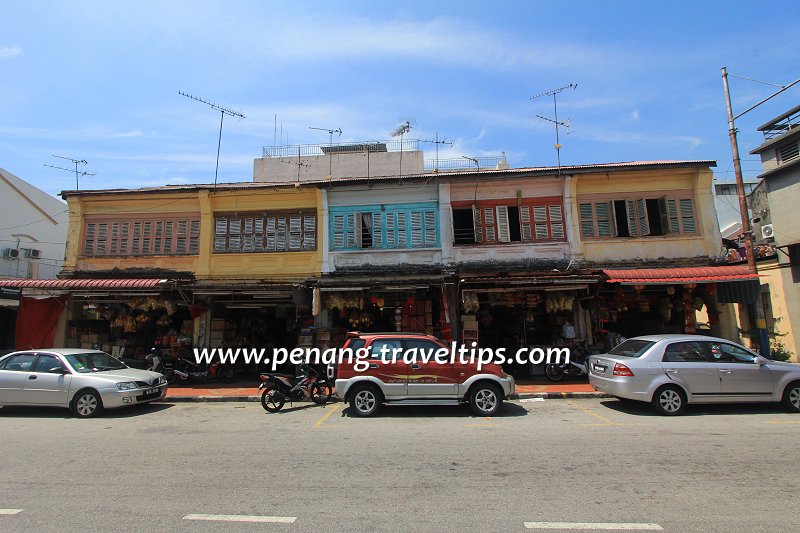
236 392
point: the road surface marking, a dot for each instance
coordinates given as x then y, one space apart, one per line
590 412
479 425
782 422
241 518
11 511
326 416
594 526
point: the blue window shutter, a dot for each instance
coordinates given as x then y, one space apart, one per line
391 229
402 230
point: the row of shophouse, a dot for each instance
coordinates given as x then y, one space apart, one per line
364 237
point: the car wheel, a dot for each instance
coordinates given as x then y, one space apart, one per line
669 401
485 399
87 403
365 401
791 397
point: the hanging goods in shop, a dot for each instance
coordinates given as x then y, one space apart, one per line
559 302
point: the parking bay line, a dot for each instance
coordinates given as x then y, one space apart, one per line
594 526
327 416
241 518
11 511
605 420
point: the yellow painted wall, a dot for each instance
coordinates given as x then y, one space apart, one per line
690 182
205 265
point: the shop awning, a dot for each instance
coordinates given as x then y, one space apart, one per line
84 283
669 276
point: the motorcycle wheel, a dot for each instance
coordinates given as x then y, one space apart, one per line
554 372
320 394
272 400
227 373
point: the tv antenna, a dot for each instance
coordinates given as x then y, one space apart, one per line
555 121
399 131
437 142
76 162
330 154
223 111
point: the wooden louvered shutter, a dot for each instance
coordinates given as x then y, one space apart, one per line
221 234
674 219
194 236
556 222
137 238
525 222
271 233
391 230
687 215
541 231
158 239
295 232
280 233
603 217
488 224
503 233
248 241
309 232
587 220
402 230
630 211
642 221
430 227
377 229
416 228
88 242
124 232
477 217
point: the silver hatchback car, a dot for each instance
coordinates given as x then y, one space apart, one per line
85 381
670 371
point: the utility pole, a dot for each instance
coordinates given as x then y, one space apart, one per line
747 232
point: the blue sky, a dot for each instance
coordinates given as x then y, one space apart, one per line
100 80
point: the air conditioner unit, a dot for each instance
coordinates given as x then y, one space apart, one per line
767 231
11 252
32 253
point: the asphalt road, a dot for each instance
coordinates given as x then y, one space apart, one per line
589 462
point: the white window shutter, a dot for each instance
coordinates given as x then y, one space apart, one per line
488 222
503 234
416 229
540 222
477 218
630 209
430 227
556 222
525 222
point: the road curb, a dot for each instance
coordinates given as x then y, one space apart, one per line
521 396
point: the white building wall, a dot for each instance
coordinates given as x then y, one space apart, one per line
30 219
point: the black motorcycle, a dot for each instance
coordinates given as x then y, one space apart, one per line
280 388
577 366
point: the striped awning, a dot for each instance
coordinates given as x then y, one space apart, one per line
668 276
90 283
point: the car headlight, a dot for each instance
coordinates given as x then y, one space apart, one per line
127 385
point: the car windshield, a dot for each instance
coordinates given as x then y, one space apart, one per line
93 362
631 348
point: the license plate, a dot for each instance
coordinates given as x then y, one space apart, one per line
599 368
150 392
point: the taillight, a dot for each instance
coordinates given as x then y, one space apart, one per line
622 370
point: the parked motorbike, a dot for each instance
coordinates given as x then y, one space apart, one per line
280 388
578 366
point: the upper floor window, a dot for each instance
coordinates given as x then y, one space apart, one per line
142 236
382 227
270 232
636 217
491 223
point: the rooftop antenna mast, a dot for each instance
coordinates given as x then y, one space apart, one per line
555 121
437 142
399 131
330 155
76 162
223 111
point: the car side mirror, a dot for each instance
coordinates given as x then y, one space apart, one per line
58 370
760 360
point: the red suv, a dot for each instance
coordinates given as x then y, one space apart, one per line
378 378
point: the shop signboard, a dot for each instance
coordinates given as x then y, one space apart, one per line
10 293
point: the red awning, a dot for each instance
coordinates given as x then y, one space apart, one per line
666 276
83 283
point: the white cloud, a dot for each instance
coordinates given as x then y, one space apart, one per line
8 52
635 115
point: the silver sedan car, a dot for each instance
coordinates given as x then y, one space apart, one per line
86 381
670 371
